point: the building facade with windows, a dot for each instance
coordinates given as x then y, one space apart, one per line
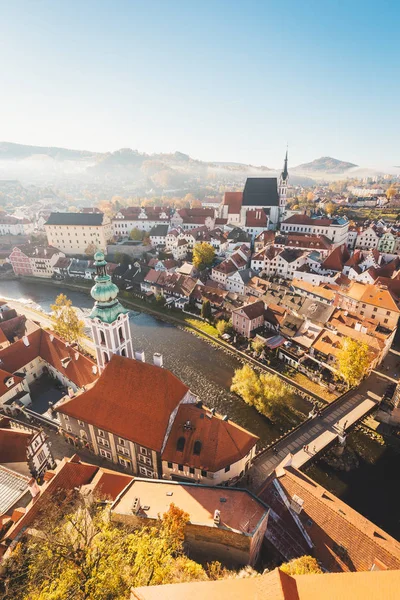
74 233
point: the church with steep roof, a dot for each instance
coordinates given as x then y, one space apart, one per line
262 196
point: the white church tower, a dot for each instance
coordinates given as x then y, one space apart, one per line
109 319
282 188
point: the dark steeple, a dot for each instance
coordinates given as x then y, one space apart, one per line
285 173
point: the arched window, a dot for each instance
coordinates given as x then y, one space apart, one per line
197 447
105 356
121 334
180 444
102 338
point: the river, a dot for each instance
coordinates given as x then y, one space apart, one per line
372 489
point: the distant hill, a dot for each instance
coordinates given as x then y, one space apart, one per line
10 151
325 164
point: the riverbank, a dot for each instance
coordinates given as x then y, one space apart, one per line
310 390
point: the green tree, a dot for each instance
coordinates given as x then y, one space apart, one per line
65 319
206 312
136 235
304 565
352 361
223 327
81 553
266 392
90 250
160 300
330 208
203 255
257 345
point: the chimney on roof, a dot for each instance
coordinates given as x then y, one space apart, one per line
140 356
136 505
217 516
25 340
51 337
76 355
71 392
33 487
94 369
158 359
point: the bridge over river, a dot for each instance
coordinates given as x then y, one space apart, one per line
304 442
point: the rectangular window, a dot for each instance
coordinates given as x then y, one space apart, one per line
191 470
105 454
144 459
143 450
69 428
180 467
122 450
204 473
170 465
66 417
145 472
81 423
100 433
228 468
121 442
388 312
103 442
124 463
41 456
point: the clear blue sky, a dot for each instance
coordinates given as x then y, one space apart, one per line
220 80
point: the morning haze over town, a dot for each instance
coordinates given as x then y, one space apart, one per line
199 300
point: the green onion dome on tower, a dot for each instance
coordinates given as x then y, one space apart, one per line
107 307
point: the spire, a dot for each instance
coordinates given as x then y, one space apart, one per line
107 307
285 173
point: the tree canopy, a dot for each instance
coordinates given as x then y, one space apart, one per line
137 235
352 361
203 255
81 553
206 312
266 392
223 327
304 565
65 319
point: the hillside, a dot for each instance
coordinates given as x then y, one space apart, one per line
325 164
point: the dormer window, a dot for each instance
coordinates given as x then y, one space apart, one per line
180 444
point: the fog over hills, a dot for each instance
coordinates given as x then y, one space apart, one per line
151 173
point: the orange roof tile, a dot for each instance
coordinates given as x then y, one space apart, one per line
131 399
222 442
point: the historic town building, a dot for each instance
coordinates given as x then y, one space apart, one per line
141 416
74 233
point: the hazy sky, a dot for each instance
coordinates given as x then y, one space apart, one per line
226 80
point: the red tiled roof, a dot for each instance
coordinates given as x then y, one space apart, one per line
256 218
234 202
336 259
343 539
253 310
79 368
4 376
222 442
226 267
13 445
306 220
131 399
71 473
